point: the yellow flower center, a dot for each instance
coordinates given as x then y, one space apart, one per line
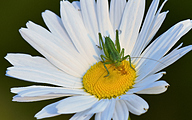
119 81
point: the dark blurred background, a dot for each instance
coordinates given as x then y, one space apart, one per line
175 104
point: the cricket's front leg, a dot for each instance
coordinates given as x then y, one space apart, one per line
106 67
128 56
106 58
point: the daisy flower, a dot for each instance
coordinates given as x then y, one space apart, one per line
72 67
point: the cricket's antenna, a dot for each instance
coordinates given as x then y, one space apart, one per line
150 59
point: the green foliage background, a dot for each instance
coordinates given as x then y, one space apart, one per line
175 104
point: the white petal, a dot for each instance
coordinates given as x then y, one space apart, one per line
36 93
149 64
142 38
99 106
121 111
44 76
38 69
67 61
107 114
161 46
163 43
156 20
172 57
135 104
155 88
149 79
76 5
116 12
168 39
134 90
61 44
55 39
56 27
105 27
82 116
37 98
76 104
130 24
43 90
88 9
48 111
76 30
98 116
160 19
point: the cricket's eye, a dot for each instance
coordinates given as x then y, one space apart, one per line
119 81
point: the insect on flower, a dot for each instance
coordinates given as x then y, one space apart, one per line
70 61
113 53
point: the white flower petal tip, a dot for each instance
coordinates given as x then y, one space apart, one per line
145 109
135 104
38 69
37 93
48 111
155 88
167 86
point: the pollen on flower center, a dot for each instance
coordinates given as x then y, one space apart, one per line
119 81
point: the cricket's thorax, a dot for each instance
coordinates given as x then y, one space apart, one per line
117 83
